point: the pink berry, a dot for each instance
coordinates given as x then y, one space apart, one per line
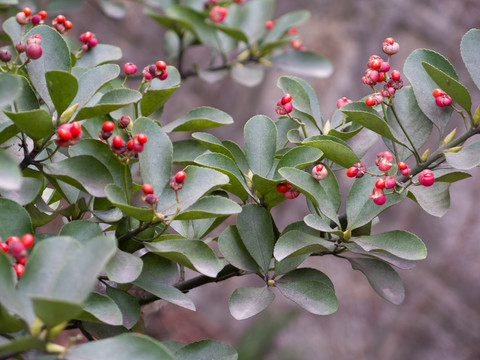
36 19
380 183
269 24
92 42
426 177
443 101
390 47
137 147
390 182
342 102
130 68
218 13
5 55
292 193
288 107
378 196
151 199
406 171
396 75
34 51
384 161
319 172
21 47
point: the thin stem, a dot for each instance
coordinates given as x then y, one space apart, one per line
385 116
49 156
414 150
125 180
299 123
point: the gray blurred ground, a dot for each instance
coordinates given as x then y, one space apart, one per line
440 318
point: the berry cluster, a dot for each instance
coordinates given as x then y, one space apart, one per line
157 70
288 190
217 13
25 16
17 248
89 40
377 72
148 196
176 182
384 162
342 102
68 134
441 98
61 24
128 149
284 105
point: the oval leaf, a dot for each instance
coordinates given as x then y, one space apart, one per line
248 302
260 136
294 243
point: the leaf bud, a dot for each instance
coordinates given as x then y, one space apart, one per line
449 137
425 155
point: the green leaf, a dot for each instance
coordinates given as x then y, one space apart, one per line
237 154
54 311
470 55
255 227
128 305
62 87
113 10
260 136
160 92
227 166
81 230
334 149
208 207
25 194
14 220
367 117
10 175
123 347
414 121
116 195
206 350
22 344
9 323
465 159
27 98
123 267
193 254
283 127
308 274
101 151
295 243
311 188
92 80
185 151
203 117
55 56
435 199
198 182
110 101
251 18
37 124
84 172
304 63
156 157
195 22
247 75
100 308
383 279
8 296
212 144
10 87
360 208
423 85
304 97
284 23
237 34
248 302
316 222
379 255
298 157
100 54
452 87
314 296
234 251
400 243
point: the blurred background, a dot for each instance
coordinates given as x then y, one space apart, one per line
440 317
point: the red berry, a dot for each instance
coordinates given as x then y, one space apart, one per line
27 11
375 64
34 51
108 126
64 134
17 249
147 189
292 31
12 239
3 247
370 101
22 261
43 14
76 129
396 75
286 99
141 138
92 42
438 92
380 183
426 177
68 24
130 144
180 176
283 187
117 141
19 269
60 19
269 24
352 172
292 193
161 65
164 75
401 165
28 240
